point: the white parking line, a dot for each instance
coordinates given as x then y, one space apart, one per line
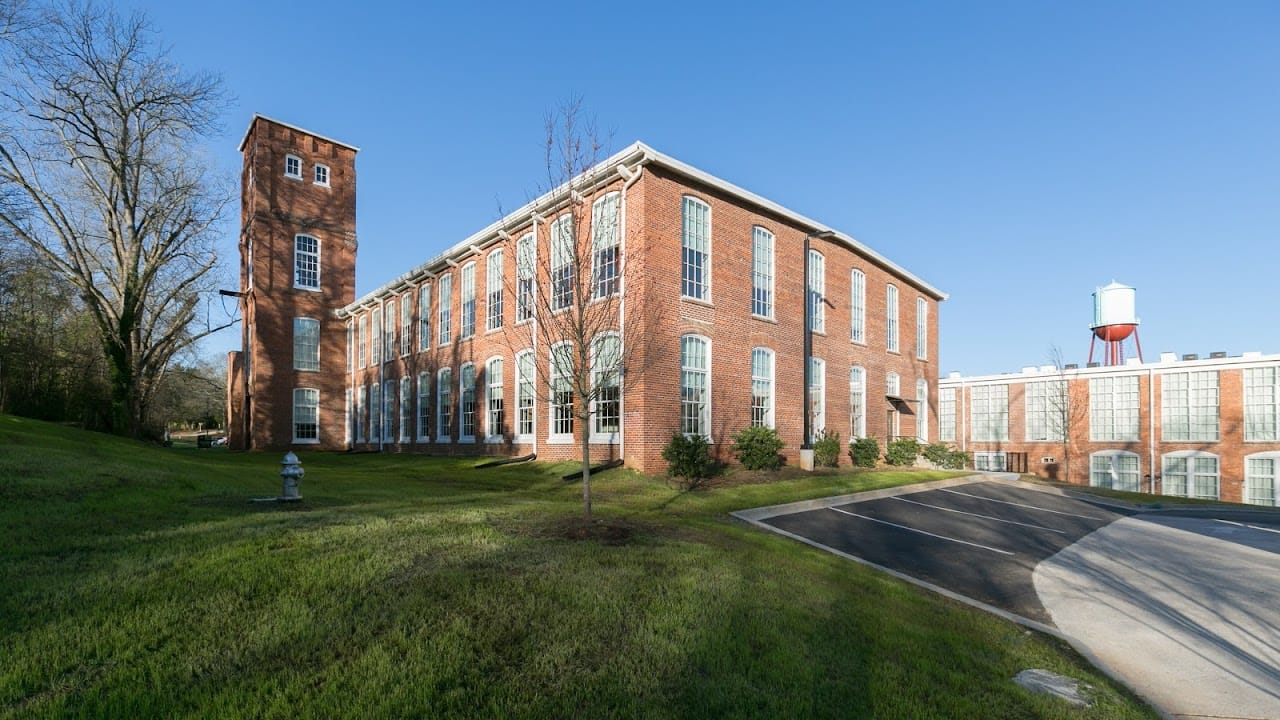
1251 527
1029 507
922 532
977 515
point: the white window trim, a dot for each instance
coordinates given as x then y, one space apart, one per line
1000 455
1189 455
710 252
1275 482
444 431
468 272
533 275
922 329
858 429
316 172
362 341
818 379
857 307
362 403
492 285
554 232
706 404
1244 407
773 241
942 436
611 438
1114 390
292 176
389 386
475 403
294 411
616 198
318 354
489 436
893 317
1115 454
770 418
525 438
319 266
424 317
422 435
922 410
444 309
553 437
406 324
816 293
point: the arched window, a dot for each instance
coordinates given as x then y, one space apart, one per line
604 246
493 289
922 410
1190 473
858 306
525 396
857 402
496 421
467 402
561 393
695 248
817 290
695 385
762 387
444 405
468 301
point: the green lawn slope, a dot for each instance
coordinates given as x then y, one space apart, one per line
139 582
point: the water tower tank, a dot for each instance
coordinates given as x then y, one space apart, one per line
1113 312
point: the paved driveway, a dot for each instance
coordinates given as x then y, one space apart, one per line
1183 607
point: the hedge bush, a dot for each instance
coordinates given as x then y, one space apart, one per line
864 452
689 458
944 457
902 451
757 448
826 449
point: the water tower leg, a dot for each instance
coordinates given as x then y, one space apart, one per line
1137 344
1092 340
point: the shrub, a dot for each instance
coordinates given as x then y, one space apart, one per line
757 448
864 452
689 458
826 449
902 451
944 457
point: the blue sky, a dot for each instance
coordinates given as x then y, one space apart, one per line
1014 154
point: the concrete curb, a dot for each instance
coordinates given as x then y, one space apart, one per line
756 516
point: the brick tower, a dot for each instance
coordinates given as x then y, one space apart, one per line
286 386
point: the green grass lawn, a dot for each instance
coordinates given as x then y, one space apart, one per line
137 581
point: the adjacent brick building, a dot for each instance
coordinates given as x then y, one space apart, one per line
1207 428
706 281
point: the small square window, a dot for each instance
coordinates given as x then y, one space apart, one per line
293 167
322 175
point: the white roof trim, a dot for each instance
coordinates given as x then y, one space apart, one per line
1248 360
257 116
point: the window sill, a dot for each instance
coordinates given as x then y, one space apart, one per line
444 439
313 441
307 288
287 176
467 440
764 318
523 440
697 301
863 343
560 440
495 440
605 440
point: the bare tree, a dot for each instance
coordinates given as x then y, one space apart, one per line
15 16
588 332
1067 407
100 174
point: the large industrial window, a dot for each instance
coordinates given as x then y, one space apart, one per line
606 376
351 346
922 329
1191 474
1189 402
363 339
375 412
444 306
389 332
388 411
306 262
695 245
946 414
562 266
306 415
695 414
525 272
493 290
424 406
857 402
990 461
761 272
604 245
524 396
858 306
306 344
362 404
468 301
762 387
406 408
1262 404
922 410
406 323
1113 409
467 385
424 317
891 318
1115 470
990 410
816 292
1046 410
561 393
444 405
1260 478
495 425
817 398
375 338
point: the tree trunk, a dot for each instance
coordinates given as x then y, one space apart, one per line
586 471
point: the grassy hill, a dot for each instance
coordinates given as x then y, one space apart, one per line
137 581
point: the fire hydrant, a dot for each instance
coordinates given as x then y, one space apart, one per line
292 472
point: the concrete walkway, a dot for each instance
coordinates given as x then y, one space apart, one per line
1186 609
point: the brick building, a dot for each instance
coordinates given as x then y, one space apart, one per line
705 279
1207 428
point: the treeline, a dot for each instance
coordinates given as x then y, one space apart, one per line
53 367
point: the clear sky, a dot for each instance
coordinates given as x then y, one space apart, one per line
1014 154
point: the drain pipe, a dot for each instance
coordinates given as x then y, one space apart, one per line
1151 425
629 178
382 347
535 218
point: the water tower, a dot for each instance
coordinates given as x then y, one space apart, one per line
1114 322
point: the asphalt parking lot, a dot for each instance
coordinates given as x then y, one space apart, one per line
981 540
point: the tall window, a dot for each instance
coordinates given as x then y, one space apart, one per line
389 332
922 329
817 283
922 410
817 397
1113 408
444 305
1262 404
1116 470
1046 409
424 406
351 347
891 317
468 301
524 396
362 403
406 408
424 317
496 421
1189 403
1260 478
444 405
306 262
493 289
388 410
606 367
525 267
467 383
762 387
858 306
604 245
695 243
695 412
990 406
946 414
893 388
406 323
375 338
363 339
857 402
306 415
375 412
306 344
349 420
293 167
1191 474
562 392
761 272
562 269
